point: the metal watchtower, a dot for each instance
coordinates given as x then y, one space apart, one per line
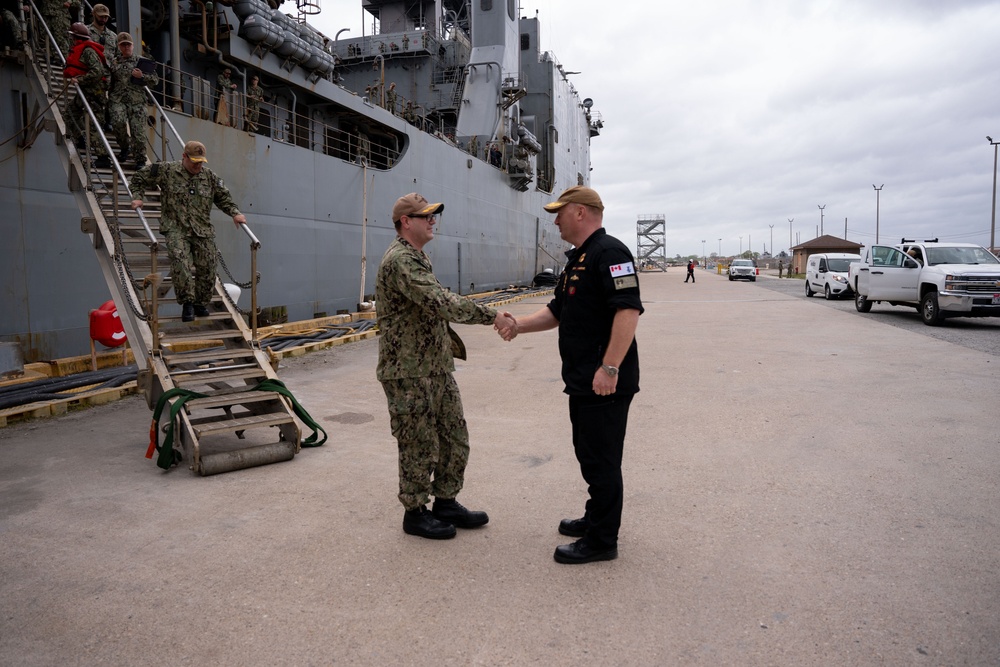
651 246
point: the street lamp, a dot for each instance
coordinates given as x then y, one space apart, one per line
741 246
878 196
772 239
821 218
704 257
993 217
720 248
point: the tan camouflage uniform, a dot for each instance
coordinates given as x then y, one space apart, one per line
415 365
186 204
128 106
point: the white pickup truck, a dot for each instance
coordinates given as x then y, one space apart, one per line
940 280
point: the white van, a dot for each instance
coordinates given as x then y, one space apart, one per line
826 272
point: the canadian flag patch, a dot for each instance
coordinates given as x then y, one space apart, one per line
626 269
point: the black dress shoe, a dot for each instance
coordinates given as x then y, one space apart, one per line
452 511
422 523
201 311
582 552
573 527
187 313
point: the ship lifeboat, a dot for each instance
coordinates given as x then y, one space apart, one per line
260 30
292 47
246 8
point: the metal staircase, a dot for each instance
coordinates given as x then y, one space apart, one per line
218 357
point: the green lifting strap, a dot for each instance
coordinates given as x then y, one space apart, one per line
169 456
300 412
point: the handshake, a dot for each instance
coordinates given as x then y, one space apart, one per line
506 325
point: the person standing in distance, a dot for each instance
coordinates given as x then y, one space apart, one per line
187 191
415 364
596 307
690 273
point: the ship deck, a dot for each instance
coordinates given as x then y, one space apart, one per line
795 494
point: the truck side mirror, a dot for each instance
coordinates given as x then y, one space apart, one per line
910 263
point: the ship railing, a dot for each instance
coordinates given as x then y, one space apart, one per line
412 43
281 123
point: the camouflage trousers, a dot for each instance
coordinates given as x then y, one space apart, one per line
251 117
76 118
133 117
192 267
57 19
429 425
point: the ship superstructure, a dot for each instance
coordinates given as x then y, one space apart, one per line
451 99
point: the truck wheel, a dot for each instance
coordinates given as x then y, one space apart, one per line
862 303
930 313
730 277
827 293
809 290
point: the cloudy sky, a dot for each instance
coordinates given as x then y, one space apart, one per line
729 116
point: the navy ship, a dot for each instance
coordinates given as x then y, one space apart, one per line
449 98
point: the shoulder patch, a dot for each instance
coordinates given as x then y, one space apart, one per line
626 269
626 282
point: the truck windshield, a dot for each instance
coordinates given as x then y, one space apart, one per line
840 265
960 256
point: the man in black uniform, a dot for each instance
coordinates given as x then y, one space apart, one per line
596 307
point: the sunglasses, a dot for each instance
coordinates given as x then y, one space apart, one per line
426 216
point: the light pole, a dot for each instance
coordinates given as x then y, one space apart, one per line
993 217
790 220
878 198
704 257
720 248
741 246
772 239
821 218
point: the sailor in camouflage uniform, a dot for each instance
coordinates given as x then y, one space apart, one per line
86 66
187 191
415 366
102 34
56 15
128 101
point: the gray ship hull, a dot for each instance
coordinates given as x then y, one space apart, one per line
307 205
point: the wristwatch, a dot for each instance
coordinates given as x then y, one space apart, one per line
612 371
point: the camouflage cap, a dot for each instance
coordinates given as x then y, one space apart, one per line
578 194
195 151
124 38
101 10
414 204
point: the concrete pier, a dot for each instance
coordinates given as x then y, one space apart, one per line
804 486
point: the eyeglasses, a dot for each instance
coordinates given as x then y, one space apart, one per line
426 216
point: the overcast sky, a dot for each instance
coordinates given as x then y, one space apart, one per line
730 116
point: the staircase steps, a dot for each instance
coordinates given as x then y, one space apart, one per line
224 373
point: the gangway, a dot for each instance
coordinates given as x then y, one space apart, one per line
222 375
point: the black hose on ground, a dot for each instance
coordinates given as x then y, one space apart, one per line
50 389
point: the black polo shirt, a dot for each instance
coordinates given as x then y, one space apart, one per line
599 279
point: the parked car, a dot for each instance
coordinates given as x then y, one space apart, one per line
742 269
827 272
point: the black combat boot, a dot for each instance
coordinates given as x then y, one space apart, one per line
450 510
201 311
103 162
123 155
422 523
187 313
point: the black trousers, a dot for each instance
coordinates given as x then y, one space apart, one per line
599 424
